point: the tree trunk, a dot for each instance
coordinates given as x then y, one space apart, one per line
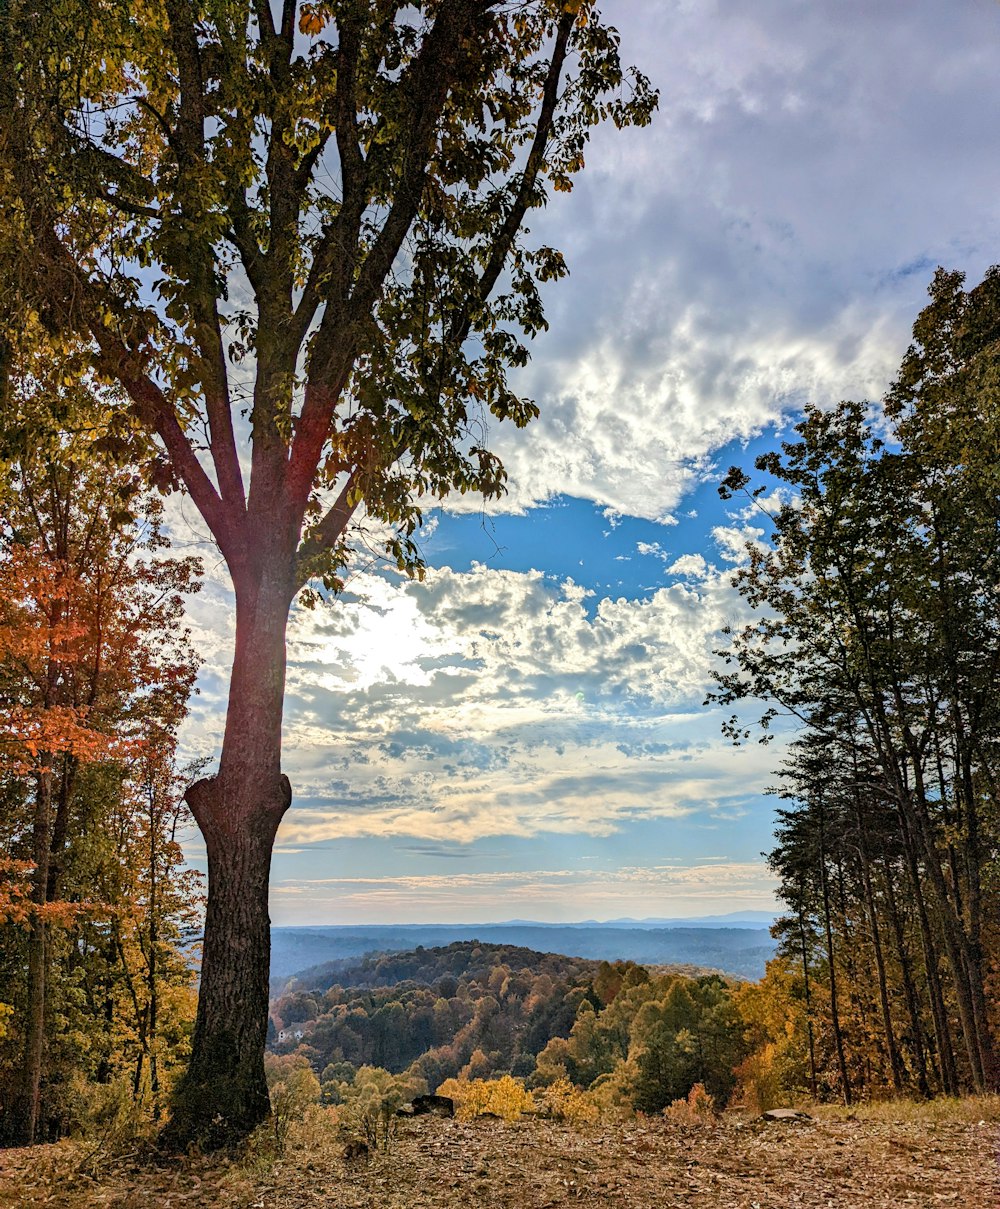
965 968
838 1036
916 1041
223 1095
22 1123
939 1015
892 1050
809 1007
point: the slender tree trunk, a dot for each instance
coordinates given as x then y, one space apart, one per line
942 1029
809 1008
23 1124
152 1009
966 970
223 1095
916 1045
895 1066
838 1036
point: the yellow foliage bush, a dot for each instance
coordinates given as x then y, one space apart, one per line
505 1097
565 1102
369 1104
6 1011
760 1079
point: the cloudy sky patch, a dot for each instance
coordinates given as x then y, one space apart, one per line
537 703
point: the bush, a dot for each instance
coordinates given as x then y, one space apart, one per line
505 1097
697 1109
293 1086
105 1116
370 1102
761 1081
562 1101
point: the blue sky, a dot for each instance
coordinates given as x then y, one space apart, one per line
523 734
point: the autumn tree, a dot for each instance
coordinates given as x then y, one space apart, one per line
294 236
95 668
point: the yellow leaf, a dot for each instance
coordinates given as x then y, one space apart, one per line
310 22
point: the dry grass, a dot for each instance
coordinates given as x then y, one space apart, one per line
880 1157
970 1110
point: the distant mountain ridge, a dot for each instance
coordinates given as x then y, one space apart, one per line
734 919
732 946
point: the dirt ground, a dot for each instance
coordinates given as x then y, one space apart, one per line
735 1163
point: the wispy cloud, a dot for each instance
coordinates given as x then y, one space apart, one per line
555 893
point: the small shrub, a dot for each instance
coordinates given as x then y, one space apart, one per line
697 1109
294 1087
763 1081
565 1102
368 1105
105 1114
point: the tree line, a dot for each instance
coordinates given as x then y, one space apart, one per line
632 1038
877 631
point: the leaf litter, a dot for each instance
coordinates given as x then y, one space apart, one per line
736 1162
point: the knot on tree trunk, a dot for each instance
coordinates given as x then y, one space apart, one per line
201 797
205 798
286 794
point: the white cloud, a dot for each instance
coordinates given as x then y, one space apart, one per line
767 240
693 566
495 702
503 703
732 541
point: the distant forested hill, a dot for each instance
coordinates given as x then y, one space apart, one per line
475 1010
736 950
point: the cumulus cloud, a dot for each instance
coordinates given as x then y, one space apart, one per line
766 241
494 702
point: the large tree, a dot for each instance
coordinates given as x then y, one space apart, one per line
293 234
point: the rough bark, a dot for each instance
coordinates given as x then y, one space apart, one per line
223 1095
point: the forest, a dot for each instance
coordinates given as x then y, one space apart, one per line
99 911
877 635
481 1012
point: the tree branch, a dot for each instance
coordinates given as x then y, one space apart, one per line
203 298
426 89
529 178
327 533
332 269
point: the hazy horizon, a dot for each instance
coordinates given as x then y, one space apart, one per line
749 916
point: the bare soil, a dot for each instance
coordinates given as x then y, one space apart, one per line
738 1162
